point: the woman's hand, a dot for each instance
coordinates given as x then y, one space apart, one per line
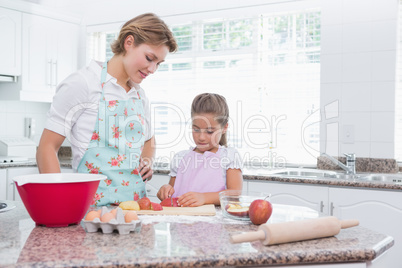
145 168
191 199
166 191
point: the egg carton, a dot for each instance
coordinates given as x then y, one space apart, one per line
118 224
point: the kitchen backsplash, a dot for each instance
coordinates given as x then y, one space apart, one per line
13 114
363 164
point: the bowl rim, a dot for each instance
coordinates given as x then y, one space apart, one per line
50 178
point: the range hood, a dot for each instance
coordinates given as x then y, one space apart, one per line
8 78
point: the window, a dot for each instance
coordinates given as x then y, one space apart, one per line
268 68
184 37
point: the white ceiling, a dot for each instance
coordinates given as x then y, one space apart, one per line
99 12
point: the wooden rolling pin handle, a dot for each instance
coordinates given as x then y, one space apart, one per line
348 223
248 237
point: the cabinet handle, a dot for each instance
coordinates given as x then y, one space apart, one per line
332 209
54 74
49 73
322 206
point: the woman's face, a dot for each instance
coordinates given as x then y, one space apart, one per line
207 132
142 60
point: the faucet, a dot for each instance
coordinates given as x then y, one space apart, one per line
350 166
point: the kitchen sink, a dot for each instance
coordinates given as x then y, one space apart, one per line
391 178
301 172
344 176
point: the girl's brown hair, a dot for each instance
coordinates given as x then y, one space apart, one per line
147 28
210 103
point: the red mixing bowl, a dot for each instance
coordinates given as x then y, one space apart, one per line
57 199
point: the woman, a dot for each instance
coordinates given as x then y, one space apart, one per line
104 113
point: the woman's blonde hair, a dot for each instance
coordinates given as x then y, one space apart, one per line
147 28
210 103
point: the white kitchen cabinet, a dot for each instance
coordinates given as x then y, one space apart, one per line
312 196
49 55
66 170
12 192
154 185
3 184
377 210
10 47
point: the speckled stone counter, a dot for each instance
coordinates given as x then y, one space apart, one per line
363 164
350 183
258 174
263 174
177 241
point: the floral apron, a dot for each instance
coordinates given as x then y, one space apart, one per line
115 149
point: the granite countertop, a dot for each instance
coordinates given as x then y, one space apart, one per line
177 241
263 175
259 174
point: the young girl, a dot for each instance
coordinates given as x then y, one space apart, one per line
199 174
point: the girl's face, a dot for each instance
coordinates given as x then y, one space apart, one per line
143 60
207 132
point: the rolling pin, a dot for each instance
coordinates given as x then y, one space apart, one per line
284 232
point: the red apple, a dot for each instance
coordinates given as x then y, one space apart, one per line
260 211
237 210
167 202
144 203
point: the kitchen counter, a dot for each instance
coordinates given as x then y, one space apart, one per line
256 174
66 163
178 241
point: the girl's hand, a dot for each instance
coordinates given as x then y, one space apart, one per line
191 199
166 191
145 168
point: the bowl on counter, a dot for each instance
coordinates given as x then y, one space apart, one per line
235 203
57 199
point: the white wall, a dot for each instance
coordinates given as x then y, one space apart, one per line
358 62
13 114
358 58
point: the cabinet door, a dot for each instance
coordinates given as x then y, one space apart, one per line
10 47
65 54
380 211
154 185
66 170
3 184
12 192
36 53
50 49
312 196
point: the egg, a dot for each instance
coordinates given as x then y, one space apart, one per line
130 216
107 217
114 211
92 215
